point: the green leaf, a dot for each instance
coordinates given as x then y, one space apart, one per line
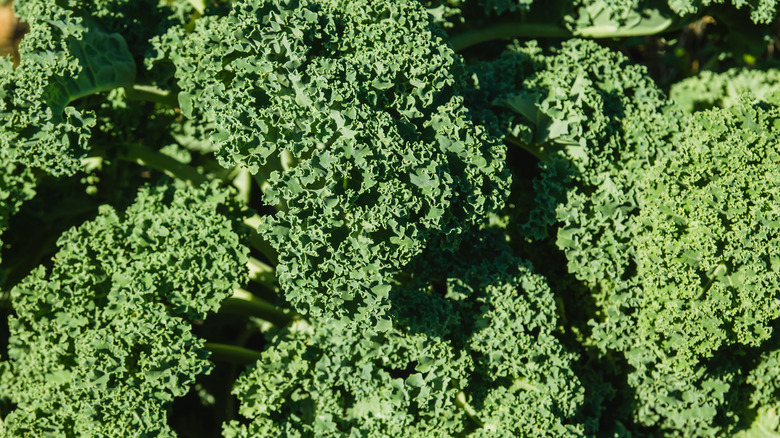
106 63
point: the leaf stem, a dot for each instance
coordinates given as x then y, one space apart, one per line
231 353
460 401
258 242
152 94
650 25
243 303
508 30
146 156
262 273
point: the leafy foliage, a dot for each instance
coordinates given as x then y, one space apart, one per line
670 281
381 219
102 342
327 379
598 123
704 276
721 90
66 56
705 223
373 153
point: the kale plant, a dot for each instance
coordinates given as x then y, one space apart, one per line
349 218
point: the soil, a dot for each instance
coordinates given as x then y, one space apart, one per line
11 32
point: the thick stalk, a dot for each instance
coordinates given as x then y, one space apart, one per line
460 401
243 303
263 274
152 94
622 32
243 183
257 241
497 31
653 24
156 160
231 353
719 271
230 400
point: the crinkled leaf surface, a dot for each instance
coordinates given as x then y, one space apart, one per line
349 110
101 343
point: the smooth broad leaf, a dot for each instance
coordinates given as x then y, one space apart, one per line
106 63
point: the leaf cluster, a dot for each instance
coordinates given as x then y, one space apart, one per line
333 218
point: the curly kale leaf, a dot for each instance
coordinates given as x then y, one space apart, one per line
348 111
72 52
331 380
62 59
705 222
102 341
597 123
761 11
533 369
445 367
665 218
662 217
709 90
705 276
